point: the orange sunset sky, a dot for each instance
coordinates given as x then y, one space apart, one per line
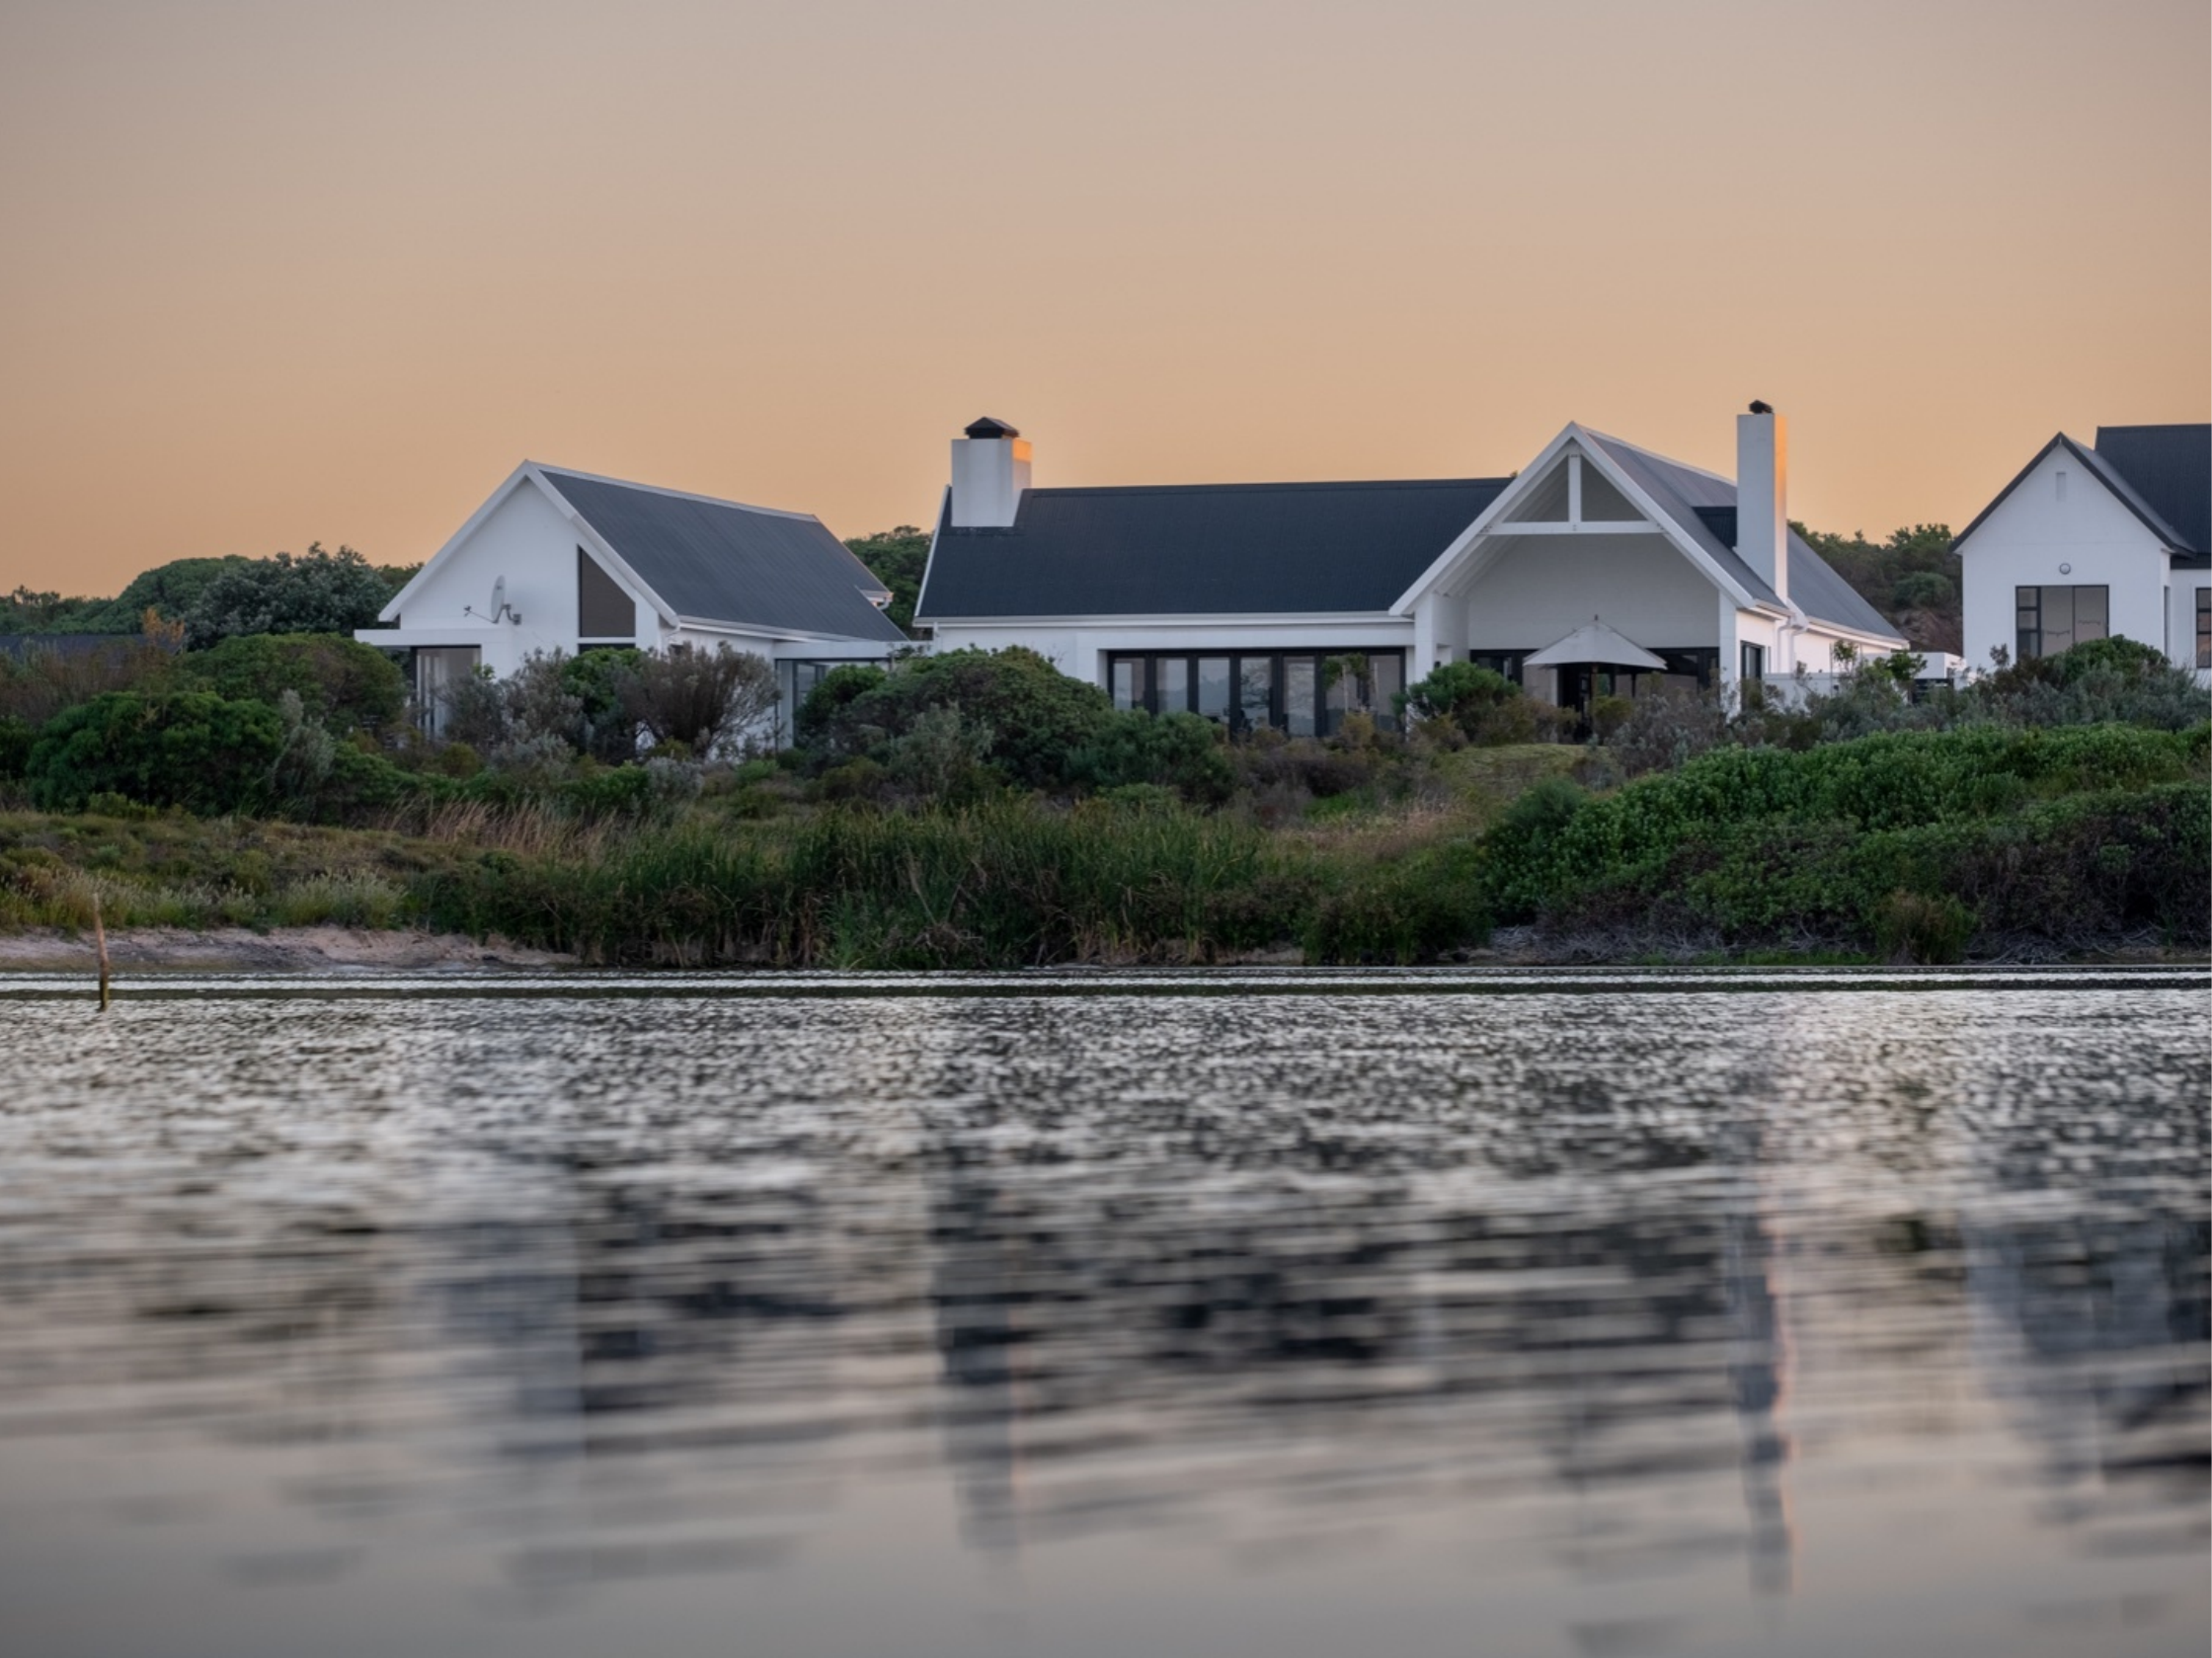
289 270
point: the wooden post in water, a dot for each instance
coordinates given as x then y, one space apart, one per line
100 943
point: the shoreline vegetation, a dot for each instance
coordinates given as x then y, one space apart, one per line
982 811
1927 847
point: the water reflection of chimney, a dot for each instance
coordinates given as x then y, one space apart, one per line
1758 1382
973 1284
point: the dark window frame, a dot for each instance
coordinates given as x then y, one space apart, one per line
2032 608
2205 628
1154 668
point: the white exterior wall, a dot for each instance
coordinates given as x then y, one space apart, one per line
2036 529
1540 588
530 543
1081 648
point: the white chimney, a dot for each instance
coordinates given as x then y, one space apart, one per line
989 472
1763 496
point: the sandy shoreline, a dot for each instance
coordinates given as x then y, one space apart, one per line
279 950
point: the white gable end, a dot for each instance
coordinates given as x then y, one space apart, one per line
530 544
2062 526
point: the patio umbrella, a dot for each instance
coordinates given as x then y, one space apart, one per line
1594 642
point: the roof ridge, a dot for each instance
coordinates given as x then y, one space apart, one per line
1288 484
1664 460
552 471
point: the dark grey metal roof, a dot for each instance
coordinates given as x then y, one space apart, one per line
2170 467
1203 549
718 561
2164 460
1705 506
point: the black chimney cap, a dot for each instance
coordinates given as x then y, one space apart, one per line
989 428
1759 408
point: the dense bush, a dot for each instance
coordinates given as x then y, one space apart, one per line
1179 752
339 681
596 679
316 593
1039 718
1758 843
167 589
16 738
1483 706
189 748
1008 883
705 700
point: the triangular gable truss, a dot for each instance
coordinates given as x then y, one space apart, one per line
1466 556
596 545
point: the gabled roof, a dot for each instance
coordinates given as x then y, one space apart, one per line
1703 505
2162 456
2170 467
1201 549
719 561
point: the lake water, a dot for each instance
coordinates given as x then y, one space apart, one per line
1284 1314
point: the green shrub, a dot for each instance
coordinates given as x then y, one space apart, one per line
1179 752
1414 910
1916 927
339 681
315 592
1039 718
16 738
359 787
819 722
2065 834
190 748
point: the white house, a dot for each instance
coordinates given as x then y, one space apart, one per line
565 561
2089 542
1240 601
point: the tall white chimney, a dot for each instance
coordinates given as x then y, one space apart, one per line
989 472
1763 496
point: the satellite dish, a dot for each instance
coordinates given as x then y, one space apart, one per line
499 598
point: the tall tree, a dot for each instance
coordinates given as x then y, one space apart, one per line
896 558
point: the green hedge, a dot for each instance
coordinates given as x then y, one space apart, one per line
193 749
1910 842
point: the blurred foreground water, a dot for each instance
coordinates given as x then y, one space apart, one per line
1331 1314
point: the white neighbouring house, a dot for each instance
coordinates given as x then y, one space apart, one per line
558 560
1242 601
2115 540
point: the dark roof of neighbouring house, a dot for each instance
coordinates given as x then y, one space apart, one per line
722 561
2171 468
1203 549
1706 507
2162 474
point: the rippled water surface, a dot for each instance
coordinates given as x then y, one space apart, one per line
1331 1315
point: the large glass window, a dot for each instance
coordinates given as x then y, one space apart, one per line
2205 628
1753 664
1255 691
1301 695
1129 682
1212 687
1304 693
2053 619
603 609
1171 685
